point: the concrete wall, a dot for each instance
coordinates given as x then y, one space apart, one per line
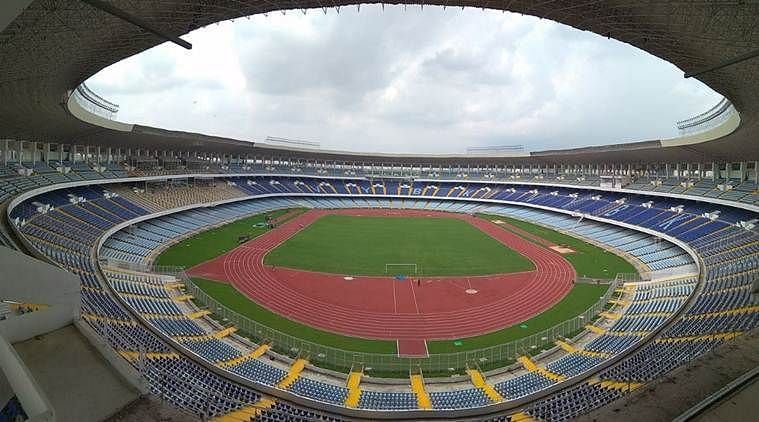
6 391
23 384
27 280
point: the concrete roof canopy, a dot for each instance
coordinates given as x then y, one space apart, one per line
49 47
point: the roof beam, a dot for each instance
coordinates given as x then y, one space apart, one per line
734 60
10 9
134 20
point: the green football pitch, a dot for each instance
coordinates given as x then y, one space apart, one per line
364 245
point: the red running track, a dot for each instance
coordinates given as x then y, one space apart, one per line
385 308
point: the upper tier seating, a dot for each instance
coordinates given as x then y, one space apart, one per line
160 197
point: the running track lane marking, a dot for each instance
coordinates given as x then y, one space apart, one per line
413 294
395 301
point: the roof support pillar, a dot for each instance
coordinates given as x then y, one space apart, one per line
5 151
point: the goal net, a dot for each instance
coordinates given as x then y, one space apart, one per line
401 269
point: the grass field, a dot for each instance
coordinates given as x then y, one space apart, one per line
363 245
588 260
212 243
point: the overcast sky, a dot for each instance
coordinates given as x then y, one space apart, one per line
428 80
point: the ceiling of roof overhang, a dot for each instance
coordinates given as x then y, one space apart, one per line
54 45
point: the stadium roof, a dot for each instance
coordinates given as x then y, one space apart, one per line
52 46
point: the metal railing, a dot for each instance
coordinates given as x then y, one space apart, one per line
376 363
94 103
708 119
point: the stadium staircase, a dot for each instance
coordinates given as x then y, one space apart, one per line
247 413
292 374
28 307
217 335
521 417
531 366
639 333
610 315
478 379
223 333
260 350
132 356
626 289
703 337
199 314
571 349
566 346
110 320
734 311
354 390
615 385
422 397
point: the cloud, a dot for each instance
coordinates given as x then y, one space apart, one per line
429 80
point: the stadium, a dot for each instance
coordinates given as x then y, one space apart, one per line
154 274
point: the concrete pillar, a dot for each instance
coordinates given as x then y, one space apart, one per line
33 146
5 144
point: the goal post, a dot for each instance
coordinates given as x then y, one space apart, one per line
405 269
